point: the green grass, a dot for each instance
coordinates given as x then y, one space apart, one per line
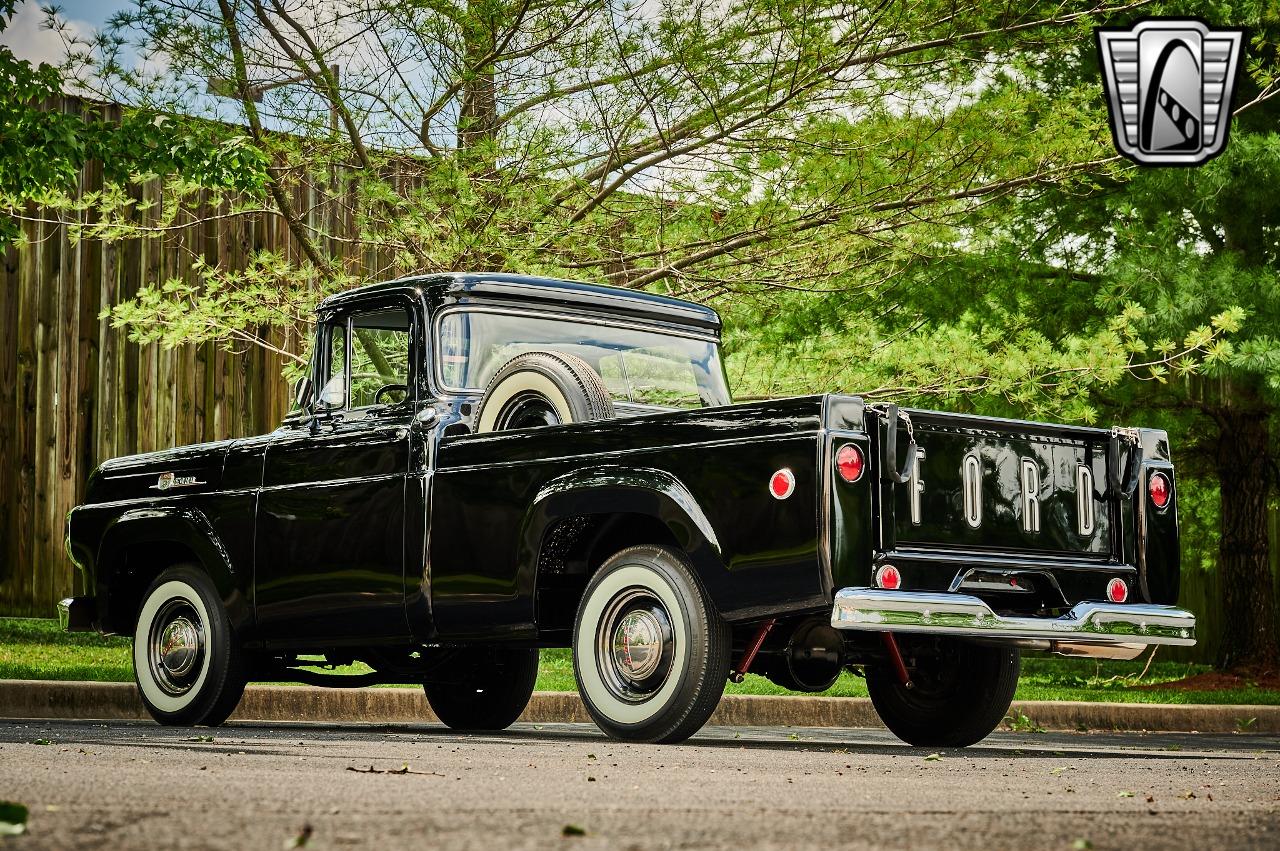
38 650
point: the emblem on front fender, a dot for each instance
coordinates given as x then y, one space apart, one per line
169 480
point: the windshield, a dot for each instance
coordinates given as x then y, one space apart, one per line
644 367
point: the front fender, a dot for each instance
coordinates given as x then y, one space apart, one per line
170 525
624 490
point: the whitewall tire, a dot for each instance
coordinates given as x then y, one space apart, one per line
186 661
543 388
650 653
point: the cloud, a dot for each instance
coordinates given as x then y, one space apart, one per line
28 37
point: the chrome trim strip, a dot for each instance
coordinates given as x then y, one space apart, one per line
612 453
1008 558
963 615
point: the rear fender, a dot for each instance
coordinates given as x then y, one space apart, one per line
627 490
186 528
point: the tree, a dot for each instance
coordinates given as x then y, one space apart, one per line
1144 294
43 150
1185 244
710 150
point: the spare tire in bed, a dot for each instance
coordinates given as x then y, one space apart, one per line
543 388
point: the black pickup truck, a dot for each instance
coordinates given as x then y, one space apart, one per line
482 465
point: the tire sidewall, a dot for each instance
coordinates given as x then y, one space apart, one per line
567 382
526 380
655 570
192 586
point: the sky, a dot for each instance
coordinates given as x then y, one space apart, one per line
28 39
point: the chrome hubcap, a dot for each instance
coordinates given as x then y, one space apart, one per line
179 644
175 650
637 644
634 645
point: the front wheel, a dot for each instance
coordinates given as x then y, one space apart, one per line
650 653
959 692
483 688
187 662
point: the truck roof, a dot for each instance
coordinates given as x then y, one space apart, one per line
467 287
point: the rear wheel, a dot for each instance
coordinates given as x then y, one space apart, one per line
543 388
959 692
483 688
186 660
650 653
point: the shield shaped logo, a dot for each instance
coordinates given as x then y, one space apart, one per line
1168 84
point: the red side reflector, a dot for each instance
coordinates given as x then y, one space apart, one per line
889 578
850 462
1161 490
1117 590
782 484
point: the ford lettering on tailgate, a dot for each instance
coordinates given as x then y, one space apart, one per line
993 489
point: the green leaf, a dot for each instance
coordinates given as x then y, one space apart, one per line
13 818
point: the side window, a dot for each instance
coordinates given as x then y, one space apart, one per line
334 392
379 357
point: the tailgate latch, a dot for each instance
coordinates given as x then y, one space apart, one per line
1124 482
889 458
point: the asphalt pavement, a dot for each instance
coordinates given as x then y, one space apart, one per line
260 786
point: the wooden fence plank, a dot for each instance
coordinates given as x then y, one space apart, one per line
9 414
53 250
23 520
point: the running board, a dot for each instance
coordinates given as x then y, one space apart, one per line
1087 624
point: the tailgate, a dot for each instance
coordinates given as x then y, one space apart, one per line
984 485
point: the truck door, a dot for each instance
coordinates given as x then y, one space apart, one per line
329 556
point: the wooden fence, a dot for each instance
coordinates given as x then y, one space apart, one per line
74 391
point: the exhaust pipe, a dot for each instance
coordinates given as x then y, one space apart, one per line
1076 649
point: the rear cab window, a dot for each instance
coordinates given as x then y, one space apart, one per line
640 365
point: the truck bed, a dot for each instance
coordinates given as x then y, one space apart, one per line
520 518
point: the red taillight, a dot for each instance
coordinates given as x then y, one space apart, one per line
1160 489
889 578
850 463
1117 590
782 483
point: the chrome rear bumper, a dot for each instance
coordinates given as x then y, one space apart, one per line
1119 626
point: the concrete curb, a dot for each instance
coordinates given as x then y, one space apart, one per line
120 701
